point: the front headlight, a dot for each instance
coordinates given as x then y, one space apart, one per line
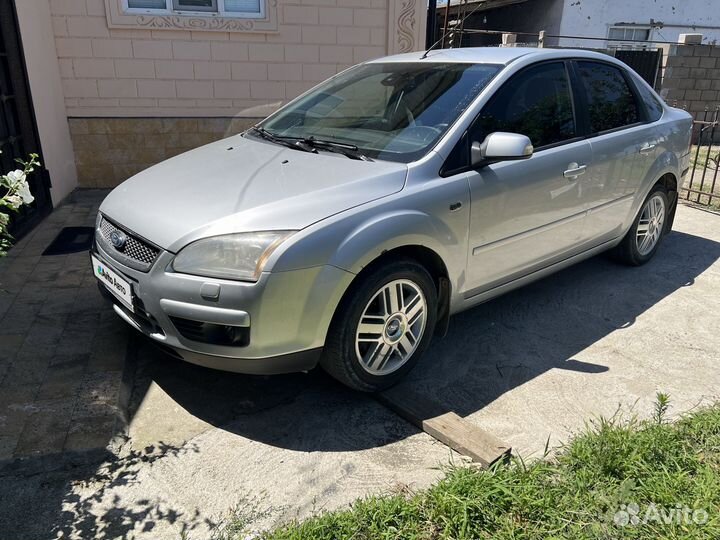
233 256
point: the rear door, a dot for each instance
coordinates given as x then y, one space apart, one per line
528 214
622 144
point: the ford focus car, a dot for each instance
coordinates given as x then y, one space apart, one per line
345 229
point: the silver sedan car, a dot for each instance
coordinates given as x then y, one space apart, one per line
345 229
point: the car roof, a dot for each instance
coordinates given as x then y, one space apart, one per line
489 55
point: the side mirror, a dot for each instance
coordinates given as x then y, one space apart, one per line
501 146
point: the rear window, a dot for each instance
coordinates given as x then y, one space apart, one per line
611 103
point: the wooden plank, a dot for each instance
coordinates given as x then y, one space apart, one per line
445 426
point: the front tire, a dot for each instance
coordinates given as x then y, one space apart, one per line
644 237
382 326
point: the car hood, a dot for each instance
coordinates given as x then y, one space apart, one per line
240 185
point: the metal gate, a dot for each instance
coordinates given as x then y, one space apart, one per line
645 62
18 130
702 185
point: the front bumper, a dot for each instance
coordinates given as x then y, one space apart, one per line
283 317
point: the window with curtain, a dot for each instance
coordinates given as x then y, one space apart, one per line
229 8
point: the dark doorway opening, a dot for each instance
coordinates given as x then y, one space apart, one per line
18 128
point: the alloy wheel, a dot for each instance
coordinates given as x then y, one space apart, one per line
650 226
391 327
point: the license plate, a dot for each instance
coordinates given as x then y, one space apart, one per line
113 282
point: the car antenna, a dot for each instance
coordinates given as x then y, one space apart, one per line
447 30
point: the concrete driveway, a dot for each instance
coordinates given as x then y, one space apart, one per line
533 365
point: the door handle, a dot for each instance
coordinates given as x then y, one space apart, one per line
575 170
648 148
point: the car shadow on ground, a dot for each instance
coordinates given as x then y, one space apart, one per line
488 351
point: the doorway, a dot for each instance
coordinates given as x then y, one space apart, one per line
18 129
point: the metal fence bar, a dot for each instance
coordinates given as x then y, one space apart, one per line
707 155
714 180
702 184
697 157
711 151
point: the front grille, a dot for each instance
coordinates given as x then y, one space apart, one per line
213 334
134 249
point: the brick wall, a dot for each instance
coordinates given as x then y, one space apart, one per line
692 77
110 150
141 72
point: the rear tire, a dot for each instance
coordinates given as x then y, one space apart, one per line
396 303
644 237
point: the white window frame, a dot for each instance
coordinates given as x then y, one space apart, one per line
170 10
620 44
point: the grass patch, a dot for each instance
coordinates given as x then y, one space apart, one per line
704 154
616 472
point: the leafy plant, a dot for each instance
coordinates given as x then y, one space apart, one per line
662 404
16 194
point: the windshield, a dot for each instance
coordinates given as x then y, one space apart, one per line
393 111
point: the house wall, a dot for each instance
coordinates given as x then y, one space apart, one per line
46 90
593 18
136 95
532 17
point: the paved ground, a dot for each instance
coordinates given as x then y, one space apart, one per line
532 365
61 351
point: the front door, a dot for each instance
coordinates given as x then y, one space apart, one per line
18 131
525 215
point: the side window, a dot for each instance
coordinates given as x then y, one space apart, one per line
611 104
536 102
652 103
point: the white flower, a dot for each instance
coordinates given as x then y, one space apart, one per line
16 176
15 201
23 190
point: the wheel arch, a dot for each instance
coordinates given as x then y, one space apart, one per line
406 234
664 171
428 259
354 244
670 181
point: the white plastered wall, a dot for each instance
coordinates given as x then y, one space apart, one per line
47 95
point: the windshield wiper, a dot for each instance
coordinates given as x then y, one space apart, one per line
290 142
349 150
311 144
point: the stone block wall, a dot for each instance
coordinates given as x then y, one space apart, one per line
111 150
692 77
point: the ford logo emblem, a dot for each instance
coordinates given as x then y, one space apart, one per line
118 239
